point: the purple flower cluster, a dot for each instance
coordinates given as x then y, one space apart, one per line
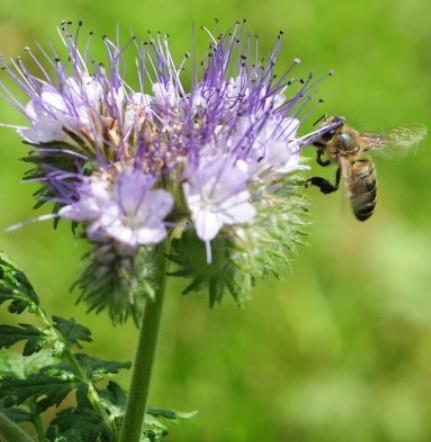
131 163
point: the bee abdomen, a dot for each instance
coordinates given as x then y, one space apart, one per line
363 189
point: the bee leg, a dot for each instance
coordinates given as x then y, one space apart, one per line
319 160
323 184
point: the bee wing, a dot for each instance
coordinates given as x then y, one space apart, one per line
398 141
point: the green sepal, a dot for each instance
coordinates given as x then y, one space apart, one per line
120 284
217 277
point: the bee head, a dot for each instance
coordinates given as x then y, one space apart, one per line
336 123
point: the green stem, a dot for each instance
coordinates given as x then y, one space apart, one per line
92 394
79 372
143 366
37 422
11 432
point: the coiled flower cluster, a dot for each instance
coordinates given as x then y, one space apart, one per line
212 166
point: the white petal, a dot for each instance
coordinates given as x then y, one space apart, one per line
157 204
140 99
31 111
53 100
44 130
207 224
151 236
130 189
122 233
238 210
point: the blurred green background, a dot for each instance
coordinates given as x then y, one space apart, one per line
340 349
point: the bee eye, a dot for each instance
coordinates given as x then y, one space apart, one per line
328 135
345 142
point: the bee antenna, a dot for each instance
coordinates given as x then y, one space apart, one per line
323 117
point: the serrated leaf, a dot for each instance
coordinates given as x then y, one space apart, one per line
78 425
71 331
35 337
17 414
45 390
40 362
15 287
114 399
97 369
171 414
12 364
154 430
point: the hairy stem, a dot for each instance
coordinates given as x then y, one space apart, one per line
11 432
78 371
92 394
37 422
145 353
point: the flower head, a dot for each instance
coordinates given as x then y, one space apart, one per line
132 164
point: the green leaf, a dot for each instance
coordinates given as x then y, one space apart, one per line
15 287
44 389
114 399
14 365
11 364
17 414
154 430
35 337
97 369
71 331
171 414
78 425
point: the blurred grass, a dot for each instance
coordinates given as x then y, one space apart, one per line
341 348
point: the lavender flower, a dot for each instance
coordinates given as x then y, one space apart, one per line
127 211
217 195
130 165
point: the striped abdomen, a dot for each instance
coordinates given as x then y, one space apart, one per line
362 188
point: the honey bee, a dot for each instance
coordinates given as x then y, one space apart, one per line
345 146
